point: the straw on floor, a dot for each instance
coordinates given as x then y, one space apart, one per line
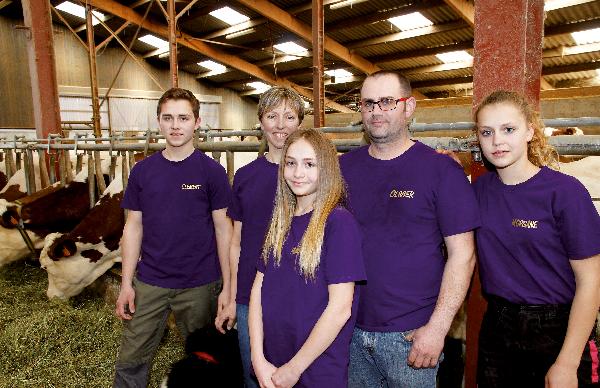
55 343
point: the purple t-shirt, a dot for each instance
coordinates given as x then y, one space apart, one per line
176 200
405 207
254 189
530 231
292 305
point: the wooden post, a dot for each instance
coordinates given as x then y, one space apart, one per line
318 35
172 42
230 157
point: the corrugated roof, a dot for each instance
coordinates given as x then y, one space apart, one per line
254 48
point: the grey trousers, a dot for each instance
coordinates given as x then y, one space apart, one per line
193 308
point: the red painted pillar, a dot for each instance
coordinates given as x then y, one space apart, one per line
508 47
42 67
508 55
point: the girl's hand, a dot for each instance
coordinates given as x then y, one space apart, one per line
285 376
561 376
264 371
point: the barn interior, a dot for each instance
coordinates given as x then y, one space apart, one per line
66 70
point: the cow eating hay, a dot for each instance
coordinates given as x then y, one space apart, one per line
74 260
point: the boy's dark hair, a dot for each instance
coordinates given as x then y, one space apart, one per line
179 94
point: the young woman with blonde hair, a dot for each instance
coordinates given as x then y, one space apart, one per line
302 305
539 257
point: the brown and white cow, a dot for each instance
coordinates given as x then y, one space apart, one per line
74 260
53 209
16 187
50 210
550 131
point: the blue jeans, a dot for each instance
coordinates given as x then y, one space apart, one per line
380 359
244 340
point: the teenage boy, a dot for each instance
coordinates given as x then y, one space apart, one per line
175 241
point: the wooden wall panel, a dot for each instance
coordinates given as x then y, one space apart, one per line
16 106
72 64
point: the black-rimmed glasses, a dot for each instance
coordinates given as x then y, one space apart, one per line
385 104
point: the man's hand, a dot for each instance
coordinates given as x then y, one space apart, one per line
125 302
427 345
264 371
561 376
286 376
227 316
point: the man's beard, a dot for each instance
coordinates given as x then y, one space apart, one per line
387 137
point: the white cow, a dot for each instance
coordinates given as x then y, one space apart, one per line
587 170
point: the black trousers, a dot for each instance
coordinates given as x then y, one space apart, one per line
519 343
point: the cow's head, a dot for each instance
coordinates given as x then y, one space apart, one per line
69 275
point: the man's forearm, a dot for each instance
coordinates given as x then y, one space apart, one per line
455 283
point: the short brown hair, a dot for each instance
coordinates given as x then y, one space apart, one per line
273 97
179 94
402 80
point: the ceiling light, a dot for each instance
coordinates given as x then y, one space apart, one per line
339 76
454 56
551 5
345 3
259 87
154 41
410 21
229 16
291 48
213 66
587 36
338 73
79 11
240 33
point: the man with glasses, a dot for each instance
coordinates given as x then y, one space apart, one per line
417 212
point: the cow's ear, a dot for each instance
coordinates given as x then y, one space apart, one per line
10 218
62 248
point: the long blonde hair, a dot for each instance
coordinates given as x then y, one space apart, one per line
330 193
539 151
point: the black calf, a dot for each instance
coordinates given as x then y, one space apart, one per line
213 360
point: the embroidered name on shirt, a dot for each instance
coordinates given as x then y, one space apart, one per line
186 186
527 224
402 194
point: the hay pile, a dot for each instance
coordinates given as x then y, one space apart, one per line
61 344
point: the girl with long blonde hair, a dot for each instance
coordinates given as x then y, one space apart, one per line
302 302
280 112
539 257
